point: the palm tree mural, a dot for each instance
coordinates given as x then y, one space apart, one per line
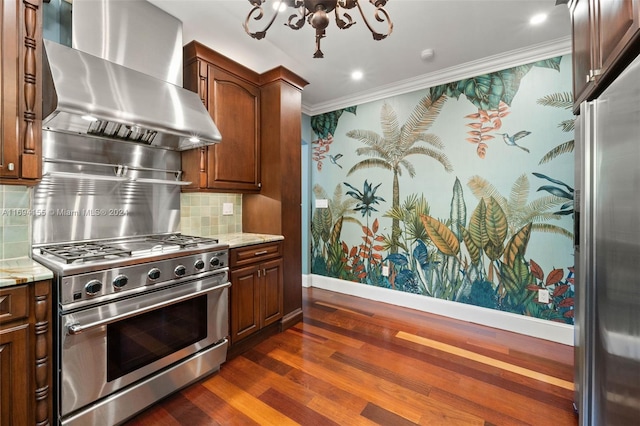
390 150
562 100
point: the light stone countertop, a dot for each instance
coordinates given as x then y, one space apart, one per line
240 239
22 270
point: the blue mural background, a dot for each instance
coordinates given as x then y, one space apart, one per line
463 191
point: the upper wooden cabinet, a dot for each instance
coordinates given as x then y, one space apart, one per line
20 91
231 94
606 38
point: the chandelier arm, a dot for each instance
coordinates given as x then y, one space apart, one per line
301 15
341 23
258 35
379 10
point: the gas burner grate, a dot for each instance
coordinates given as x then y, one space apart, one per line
184 240
84 251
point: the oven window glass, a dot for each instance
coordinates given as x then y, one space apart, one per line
138 341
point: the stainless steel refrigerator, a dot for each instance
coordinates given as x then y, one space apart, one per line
607 249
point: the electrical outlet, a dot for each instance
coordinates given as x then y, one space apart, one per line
227 209
385 271
543 295
322 203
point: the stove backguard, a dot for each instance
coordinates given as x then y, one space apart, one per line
95 189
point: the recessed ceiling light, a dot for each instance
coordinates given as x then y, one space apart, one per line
357 75
538 19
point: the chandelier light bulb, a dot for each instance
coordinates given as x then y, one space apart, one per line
317 13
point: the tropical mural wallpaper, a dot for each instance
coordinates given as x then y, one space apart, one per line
462 192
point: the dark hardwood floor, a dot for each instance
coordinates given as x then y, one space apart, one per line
357 362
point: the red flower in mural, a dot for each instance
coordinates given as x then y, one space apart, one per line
320 149
484 123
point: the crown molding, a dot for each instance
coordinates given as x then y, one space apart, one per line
490 64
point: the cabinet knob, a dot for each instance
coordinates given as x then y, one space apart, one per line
11 167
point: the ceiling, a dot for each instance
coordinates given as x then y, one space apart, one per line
462 34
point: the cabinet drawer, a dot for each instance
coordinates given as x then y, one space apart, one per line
254 253
13 303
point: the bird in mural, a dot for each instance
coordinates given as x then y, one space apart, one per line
334 159
511 140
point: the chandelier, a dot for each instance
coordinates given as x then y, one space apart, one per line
316 12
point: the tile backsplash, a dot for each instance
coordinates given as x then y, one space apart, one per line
15 225
204 214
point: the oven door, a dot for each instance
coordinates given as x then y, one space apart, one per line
108 347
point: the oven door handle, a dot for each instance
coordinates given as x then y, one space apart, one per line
77 328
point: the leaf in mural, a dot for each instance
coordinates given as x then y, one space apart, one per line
517 245
487 91
554 277
441 236
516 279
536 270
458 209
335 233
421 254
375 225
493 251
325 124
496 223
472 248
563 148
398 259
560 290
478 225
553 63
324 224
553 190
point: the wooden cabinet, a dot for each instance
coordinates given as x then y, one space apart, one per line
256 288
231 94
278 209
20 92
26 354
606 38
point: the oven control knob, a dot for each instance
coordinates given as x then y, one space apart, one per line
93 287
154 274
199 264
180 271
214 262
120 281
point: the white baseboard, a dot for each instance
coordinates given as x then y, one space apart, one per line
535 327
306 280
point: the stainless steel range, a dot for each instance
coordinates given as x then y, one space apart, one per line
137 319
141 309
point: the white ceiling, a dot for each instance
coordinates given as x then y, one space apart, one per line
462 33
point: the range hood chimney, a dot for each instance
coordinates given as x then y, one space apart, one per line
124 73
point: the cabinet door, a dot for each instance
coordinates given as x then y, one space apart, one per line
234 163
585 38
245 302
618 24
20 91
271 291
14 386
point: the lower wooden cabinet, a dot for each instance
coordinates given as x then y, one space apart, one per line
256 288
25 354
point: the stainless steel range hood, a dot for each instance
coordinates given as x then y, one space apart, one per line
85 94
